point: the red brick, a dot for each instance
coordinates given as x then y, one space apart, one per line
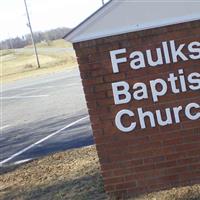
126 185
114 180
148 159
114 77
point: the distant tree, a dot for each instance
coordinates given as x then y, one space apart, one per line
20 42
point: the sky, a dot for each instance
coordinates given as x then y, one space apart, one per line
44 15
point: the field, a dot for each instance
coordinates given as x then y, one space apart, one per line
73 174
20 63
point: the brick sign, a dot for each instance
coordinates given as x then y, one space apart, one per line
143 94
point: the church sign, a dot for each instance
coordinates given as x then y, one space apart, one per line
142 90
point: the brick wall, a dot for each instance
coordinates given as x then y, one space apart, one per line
148 159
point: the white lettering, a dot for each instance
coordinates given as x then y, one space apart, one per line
194 78
115 61
172 79
155 92
182 80
176 113
117 92
141 92
118 121
142 115
166 52
177 52
194 50
138 60
188 113
159 60
168 120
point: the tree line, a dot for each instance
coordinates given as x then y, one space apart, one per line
20 42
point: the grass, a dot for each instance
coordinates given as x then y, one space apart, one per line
53 44
74 175
66 175
20 63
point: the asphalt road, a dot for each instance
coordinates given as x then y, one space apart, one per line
43 115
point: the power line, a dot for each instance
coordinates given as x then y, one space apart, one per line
32 37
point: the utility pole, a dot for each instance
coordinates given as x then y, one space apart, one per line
102 2
10 42
32 37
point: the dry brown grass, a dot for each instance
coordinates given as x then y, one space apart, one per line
21 63
67 175
60 43
70 175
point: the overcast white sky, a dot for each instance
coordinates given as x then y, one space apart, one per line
44 14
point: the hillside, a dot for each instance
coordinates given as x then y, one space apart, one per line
53 55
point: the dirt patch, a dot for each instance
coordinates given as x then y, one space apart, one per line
73 175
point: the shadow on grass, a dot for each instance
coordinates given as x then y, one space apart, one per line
7 169
84 188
